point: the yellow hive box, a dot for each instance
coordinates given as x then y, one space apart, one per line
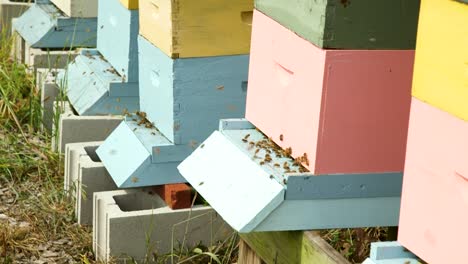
197 28
441 65
130 4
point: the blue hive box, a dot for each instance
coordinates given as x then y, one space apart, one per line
94 87
105 81
181 102
117 37
44 26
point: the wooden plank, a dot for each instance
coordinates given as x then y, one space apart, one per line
78 8
247 255
292 247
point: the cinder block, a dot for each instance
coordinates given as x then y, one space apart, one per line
123 219
73 128
43 25
180 31
176 196
390 253
117 37
345 24
85 175
441 63
36 58
335 109
78 8
46 83
434 208
9 10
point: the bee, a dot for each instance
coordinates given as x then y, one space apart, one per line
152 133
201 183
102 26
247 136
272 177
285 181
245 140
84 73
262 163
288 151
277 165
134 179
220 88
118 100
281 137
193 144
256 151
141 114
148 125
134 129
94 83
202 145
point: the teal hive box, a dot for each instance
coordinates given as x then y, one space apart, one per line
93 87
348 24
117 37
274 194
46 27
183 100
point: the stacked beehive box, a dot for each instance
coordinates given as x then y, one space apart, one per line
434 208
329 83
105 81
58 24
193 66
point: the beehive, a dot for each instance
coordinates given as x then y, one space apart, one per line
344 24
181 102
434 209
441 64
186 28
327 105
186 97
78 8
44 26
117 37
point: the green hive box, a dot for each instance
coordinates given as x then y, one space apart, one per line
348 24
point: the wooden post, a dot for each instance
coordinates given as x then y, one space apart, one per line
247 255
288 247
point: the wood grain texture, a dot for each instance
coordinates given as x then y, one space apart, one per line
44 26
78 8
292 248
338 24
247 255
187 28
441 65
434 206
130 4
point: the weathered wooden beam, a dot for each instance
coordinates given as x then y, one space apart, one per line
292 247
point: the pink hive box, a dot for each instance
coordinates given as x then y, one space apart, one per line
348 110
434 209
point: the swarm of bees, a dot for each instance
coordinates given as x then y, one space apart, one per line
143 120
270 148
